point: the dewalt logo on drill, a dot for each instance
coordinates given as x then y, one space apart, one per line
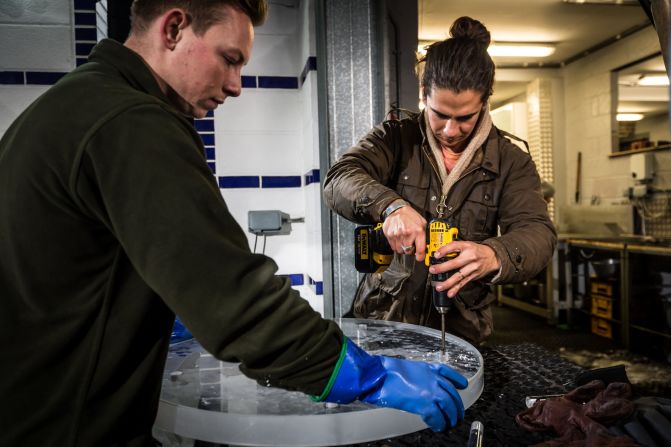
362 243
373 253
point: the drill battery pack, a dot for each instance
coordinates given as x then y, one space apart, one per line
373 252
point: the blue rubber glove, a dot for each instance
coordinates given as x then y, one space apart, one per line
417 387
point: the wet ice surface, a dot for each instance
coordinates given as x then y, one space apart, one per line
196 379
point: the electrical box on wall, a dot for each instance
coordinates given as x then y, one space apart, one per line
641 167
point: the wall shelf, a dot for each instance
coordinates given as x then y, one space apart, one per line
639 151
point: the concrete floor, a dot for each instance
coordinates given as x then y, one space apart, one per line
513 326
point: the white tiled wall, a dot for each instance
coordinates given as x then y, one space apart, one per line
587 86
273 132
264 132
36 35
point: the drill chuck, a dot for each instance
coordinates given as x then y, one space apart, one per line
442 309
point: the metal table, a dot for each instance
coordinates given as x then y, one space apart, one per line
205 399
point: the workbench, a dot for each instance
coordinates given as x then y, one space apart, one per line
512 372
206 400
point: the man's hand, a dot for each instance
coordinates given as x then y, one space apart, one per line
405 229
475 261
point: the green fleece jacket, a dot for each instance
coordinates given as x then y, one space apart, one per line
110 224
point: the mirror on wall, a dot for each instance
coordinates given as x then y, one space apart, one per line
642 106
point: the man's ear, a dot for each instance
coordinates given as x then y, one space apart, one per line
173 23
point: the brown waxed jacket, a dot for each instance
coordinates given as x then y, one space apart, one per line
499 189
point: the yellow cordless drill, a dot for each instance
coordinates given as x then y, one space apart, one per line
374 254
440 233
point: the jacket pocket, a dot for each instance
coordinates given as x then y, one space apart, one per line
478 218
377 292
413 184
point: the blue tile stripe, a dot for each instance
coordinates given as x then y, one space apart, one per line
311 177
86 34
297 279
85 18
43 77
281 82
284 82
266 181
85 4
310 65
241 181
30 77
317 286
86 29
84 48
208 138
204 125
289 181
12 77
205 128
248 81
275 82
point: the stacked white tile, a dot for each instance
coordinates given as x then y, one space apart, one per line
34 36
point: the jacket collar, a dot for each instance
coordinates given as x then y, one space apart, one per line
130 65
487 158
421 119
490 156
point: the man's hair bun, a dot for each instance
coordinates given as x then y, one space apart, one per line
468 28
460 62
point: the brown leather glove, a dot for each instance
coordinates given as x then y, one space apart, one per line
579 416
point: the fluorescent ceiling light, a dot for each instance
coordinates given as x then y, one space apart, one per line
604 2
629 116
502 49
653 79
520 50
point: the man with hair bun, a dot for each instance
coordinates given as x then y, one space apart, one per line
111 223
449 161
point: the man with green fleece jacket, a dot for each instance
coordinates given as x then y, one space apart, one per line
111 223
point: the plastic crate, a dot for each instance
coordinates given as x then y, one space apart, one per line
602 328
601 288
602 307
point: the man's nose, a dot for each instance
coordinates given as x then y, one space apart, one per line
451 128
233 83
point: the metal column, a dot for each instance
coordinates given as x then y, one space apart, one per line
350 104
